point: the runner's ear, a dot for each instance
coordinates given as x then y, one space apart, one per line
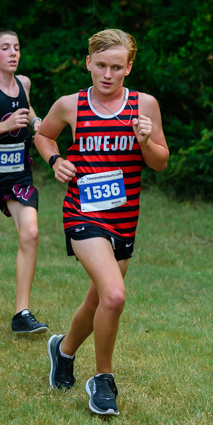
129 67
88 63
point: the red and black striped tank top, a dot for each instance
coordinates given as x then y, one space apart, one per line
104 143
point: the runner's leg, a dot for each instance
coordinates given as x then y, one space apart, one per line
104 302
25 219
82 323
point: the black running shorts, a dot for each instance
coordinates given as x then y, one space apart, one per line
123 249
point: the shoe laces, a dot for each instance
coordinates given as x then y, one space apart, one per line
107 387
30 317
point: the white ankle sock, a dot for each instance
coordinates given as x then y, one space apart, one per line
24 312
108 373
65 355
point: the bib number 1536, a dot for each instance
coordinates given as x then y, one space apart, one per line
102 191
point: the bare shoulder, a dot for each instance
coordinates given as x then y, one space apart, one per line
147 104
65 109
25 82
68 102
62 112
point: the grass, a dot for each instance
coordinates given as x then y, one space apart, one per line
163 359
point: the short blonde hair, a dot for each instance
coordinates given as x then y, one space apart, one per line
103 40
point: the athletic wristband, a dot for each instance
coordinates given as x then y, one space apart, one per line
53 159
33 120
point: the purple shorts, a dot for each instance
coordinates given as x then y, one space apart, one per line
25 195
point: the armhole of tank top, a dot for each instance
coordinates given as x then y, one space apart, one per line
19 83
21 89
79 98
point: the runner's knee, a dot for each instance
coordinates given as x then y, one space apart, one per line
115 301
29 234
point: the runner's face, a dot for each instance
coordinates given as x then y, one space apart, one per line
109 68
9 53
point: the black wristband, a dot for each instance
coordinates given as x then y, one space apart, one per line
53 159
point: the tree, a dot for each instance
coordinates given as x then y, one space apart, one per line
174 63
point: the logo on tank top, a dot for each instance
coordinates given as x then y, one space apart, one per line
13 133
87 124
15 104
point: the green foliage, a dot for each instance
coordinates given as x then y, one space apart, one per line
195 166
174 63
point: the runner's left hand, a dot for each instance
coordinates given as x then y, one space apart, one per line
142 128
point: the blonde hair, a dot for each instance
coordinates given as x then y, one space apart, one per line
103 40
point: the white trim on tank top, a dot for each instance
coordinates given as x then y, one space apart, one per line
112 115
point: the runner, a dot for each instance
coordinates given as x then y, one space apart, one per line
18 196
114 130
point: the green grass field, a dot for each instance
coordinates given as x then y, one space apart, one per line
163 360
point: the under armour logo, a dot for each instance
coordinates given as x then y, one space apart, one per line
14 104
87 124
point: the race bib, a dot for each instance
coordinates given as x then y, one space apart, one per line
102 191
12 158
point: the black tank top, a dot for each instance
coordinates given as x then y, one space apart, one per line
8 105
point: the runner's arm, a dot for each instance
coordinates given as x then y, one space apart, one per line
49 130
149 132
26 83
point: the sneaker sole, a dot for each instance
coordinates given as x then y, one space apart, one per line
38 331
93 408
51 352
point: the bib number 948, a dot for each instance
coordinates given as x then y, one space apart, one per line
12 157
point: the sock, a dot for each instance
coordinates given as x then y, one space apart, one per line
23 312
65 355
108 373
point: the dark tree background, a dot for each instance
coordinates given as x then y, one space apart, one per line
174 63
